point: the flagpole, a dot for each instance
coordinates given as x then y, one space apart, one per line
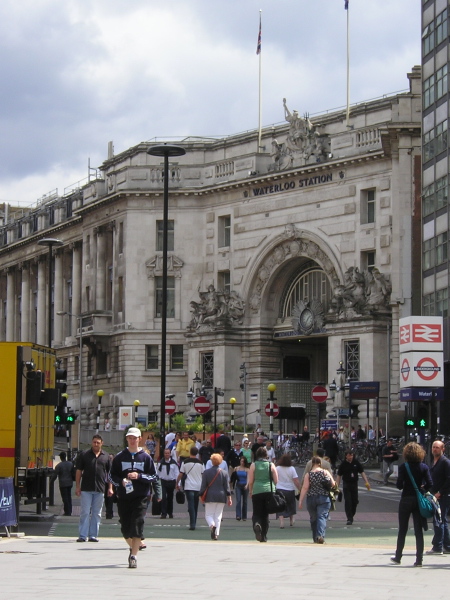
258 51
348 64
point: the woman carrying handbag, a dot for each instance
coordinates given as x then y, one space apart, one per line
261 478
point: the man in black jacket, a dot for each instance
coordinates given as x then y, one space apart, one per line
440 474
348 471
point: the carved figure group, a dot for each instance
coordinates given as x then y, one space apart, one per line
362 292
216 309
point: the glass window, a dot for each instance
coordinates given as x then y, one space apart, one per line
441 248
170 235
368 206
224 231
176 356
151 357
441 27
428 305
208 370
352 362
170 297
428 254
224 281
442 302
428 91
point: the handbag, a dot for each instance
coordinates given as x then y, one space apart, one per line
426 507
205 493
180 498
156 507
276 502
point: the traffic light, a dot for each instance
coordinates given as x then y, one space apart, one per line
61 383
60 416
422 416
410 422
71 417
354 411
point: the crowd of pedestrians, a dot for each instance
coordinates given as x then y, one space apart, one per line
212 471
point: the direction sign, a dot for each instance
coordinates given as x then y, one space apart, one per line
421 369
319 393
171 406
276 409
202 405
421 334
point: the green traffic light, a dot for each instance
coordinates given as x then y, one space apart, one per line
70 419
422 423
57 419
410 423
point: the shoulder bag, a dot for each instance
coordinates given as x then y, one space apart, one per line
205 493
426 507
276 502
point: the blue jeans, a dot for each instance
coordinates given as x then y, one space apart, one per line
318 507
192 506
90 514
241 501
441 538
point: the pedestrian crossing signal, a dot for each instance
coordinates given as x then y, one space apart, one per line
410 422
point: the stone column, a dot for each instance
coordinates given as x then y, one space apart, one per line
10 304
25 334
41 328
58 298
76 283
100 270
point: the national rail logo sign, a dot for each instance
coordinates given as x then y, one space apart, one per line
421 369
421 334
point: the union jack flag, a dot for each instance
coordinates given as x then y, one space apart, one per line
258 47
346 5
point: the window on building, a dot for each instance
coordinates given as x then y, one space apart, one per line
152 417
428 254
441 27
352 359
224 231
120 294
428 305
120 238
368 261
160 234
428 38
170 297
442 303
441 248
435 196
151 357
367 206
208 370
101 362
176 357
224 281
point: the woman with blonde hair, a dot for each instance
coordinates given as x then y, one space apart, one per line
413 454
218 493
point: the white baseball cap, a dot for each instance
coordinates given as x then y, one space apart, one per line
134 431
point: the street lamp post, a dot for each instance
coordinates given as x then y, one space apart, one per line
166 151
50 243
232 403
243 377
271 387
340 387
136 410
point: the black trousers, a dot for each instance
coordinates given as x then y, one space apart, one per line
408 506
350 499
260 514
131 516
168 488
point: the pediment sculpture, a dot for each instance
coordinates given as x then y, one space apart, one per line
217 309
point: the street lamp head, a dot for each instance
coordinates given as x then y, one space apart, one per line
100 393
166 150
340 370
136 402
50 242
272 387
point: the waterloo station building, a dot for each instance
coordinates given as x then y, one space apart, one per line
285 259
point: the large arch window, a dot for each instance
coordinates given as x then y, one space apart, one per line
312 284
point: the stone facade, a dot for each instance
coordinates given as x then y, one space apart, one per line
289 260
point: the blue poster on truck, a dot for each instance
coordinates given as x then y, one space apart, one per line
7 504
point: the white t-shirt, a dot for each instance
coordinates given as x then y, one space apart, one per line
169 438
270 454
193 472
285 478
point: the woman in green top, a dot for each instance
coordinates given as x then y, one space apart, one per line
260 485
246 451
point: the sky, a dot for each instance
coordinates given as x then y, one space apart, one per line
77 74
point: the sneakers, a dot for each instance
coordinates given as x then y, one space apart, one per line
80 539
213 533
350 522
434 551
258 532
132 562
417 564
395 560
93 539
320 540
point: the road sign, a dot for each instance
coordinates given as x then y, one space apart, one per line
421 334
171 406
202 405
421 369
276 409
319 394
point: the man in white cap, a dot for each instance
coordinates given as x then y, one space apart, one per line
132 472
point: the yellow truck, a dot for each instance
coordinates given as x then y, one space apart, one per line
28 399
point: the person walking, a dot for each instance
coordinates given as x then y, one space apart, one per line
246 450
64 471
389 456
92 471
183 447
168 472
262 480
413 454
239 479
440 474
288 483
132 473
215 484
316 487
348 471
193 469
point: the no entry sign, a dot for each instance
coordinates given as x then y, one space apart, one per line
319 393
276 409
171 407
202 405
